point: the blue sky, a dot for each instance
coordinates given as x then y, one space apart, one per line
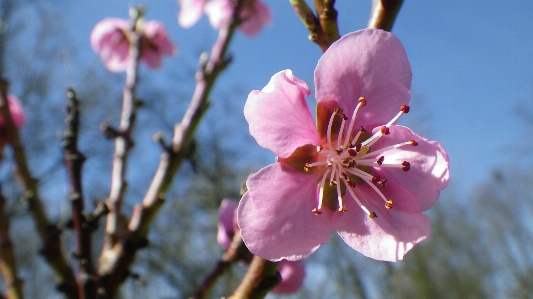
472 67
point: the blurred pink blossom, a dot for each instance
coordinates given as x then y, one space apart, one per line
358 173
292 272
255 16
109 39
17 114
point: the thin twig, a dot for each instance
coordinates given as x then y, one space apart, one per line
48 232
384 13
8 266
258 281
115 268
323 28
123 140
82 231
236 252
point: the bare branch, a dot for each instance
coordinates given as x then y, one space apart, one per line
8 266
48 232
258 281
323 28
123 140
115 262
82 231
384 13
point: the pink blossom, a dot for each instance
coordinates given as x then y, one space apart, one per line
255 16
356 171
17 114
292 272
109 38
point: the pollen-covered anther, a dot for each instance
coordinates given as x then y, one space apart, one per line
362 129
385 130
413 143
380 160
388 204
405 109
362 101
307 167
343 209
317 211
319 148
337 110
332 183
372 215
382 183
406 166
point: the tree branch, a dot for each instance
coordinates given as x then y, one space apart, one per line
323 28
8 266
384 13
48 232
123 140
82 230
115 262
262 276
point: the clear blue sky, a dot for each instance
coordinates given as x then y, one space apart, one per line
472 65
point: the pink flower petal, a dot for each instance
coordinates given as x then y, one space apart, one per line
368 63
156 32
190 12
429 172
278 115
219 12
226 216
392 233
101 33
275 215
256 16
292 277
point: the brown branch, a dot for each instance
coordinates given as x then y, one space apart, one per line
115 262
323 28
262 276
236 252
8 266
123 140
384 13
82 230
48 232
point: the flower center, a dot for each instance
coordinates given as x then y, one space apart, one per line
348 160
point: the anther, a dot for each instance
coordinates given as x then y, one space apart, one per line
344 116
406 166
380 160
332 183
343 209
339 151
372 215
385 130
317 211
319 148
351 184
383 183
337 110
413 143
362 129
362 101
405 109
307 167
375 179
352 152
388 205
351 164
358 147
344 175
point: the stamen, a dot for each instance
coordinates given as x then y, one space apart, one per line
330 125
381 150
362 103
370 214
316 210
339 198
388 205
